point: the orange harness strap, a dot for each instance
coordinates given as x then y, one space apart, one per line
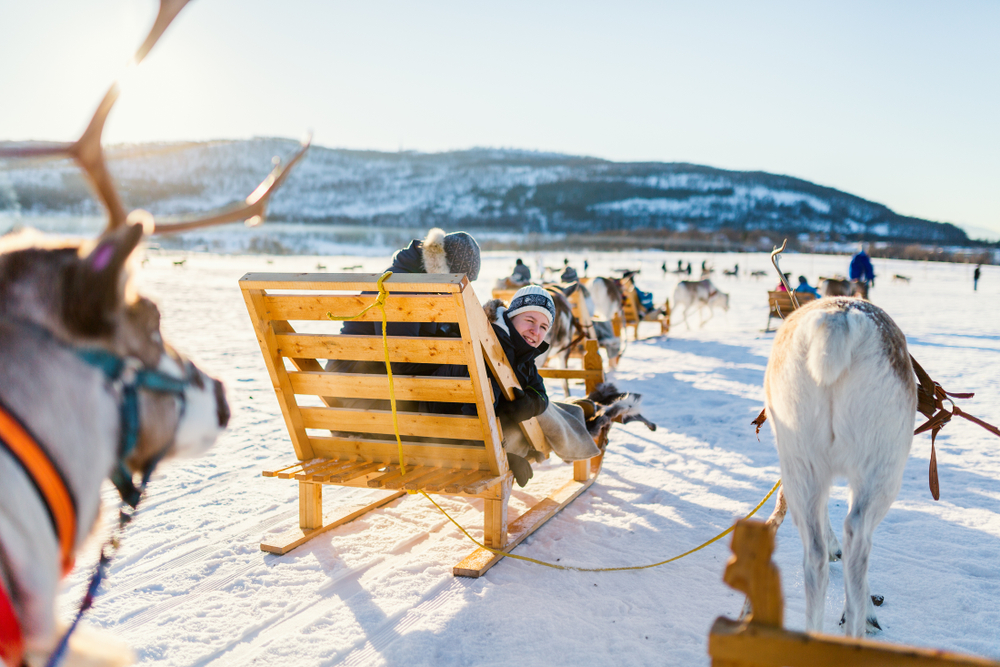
48 481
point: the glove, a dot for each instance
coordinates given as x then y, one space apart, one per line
522 407
521 469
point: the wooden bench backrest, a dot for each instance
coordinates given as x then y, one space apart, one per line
781 303
289 314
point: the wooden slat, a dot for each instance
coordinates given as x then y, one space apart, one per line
354 473
438 485
408 349
412 473
297 466
386 450
482 484
318 474
471 476
763 645
477 334
459 427
407 387
276 371
360 282
388 476
438 475
402 308
314 464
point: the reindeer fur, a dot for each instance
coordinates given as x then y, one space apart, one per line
54 298
841 399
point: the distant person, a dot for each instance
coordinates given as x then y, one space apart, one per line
975 277
704 268
804 286
585 267
688 271
781 284
664 267
521 273
569 275
680 267
861 268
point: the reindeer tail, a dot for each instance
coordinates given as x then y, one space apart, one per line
832 338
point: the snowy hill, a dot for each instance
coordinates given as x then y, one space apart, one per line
519 191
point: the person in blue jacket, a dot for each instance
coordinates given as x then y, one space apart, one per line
804 286
862 269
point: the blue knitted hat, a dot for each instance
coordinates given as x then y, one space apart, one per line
532 297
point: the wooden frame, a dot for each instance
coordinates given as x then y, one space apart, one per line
762 641
316 404
631 309
780 304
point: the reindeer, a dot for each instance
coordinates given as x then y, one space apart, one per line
841 397
88 387
699 294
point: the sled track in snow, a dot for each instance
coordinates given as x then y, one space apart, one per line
161 569
252 642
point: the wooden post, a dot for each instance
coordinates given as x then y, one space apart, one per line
310 505
592 362
750 570
495 517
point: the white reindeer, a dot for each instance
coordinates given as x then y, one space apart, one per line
698 294
841 398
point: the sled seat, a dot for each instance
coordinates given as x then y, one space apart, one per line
762 641
780 304
631 309
341 427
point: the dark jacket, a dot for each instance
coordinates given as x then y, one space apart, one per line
408 260
522 359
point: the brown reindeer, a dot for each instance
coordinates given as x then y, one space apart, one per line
88 387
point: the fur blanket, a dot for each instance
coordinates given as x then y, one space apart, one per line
572 427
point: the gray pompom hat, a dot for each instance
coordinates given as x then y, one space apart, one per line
457 252
532 297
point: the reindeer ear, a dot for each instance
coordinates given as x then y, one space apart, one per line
94 287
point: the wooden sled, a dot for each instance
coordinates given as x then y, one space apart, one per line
780 305
631 309
762 641
455 455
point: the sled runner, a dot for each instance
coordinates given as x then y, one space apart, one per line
762 641
335 443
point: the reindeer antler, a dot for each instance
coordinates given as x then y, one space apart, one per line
87 150
255 205
89 154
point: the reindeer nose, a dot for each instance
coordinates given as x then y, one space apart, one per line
222 406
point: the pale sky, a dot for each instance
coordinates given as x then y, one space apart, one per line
897 102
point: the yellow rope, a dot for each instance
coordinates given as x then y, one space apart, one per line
380 302
499 552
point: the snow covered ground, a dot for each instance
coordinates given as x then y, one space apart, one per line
190 586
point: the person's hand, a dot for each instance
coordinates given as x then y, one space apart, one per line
521 408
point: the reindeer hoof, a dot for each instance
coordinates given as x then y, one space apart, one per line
871 626
877 600
836 555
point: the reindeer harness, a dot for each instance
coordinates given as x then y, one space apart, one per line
36 463
129 376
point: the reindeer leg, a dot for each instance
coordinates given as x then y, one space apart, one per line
639 418
807 494
868 507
